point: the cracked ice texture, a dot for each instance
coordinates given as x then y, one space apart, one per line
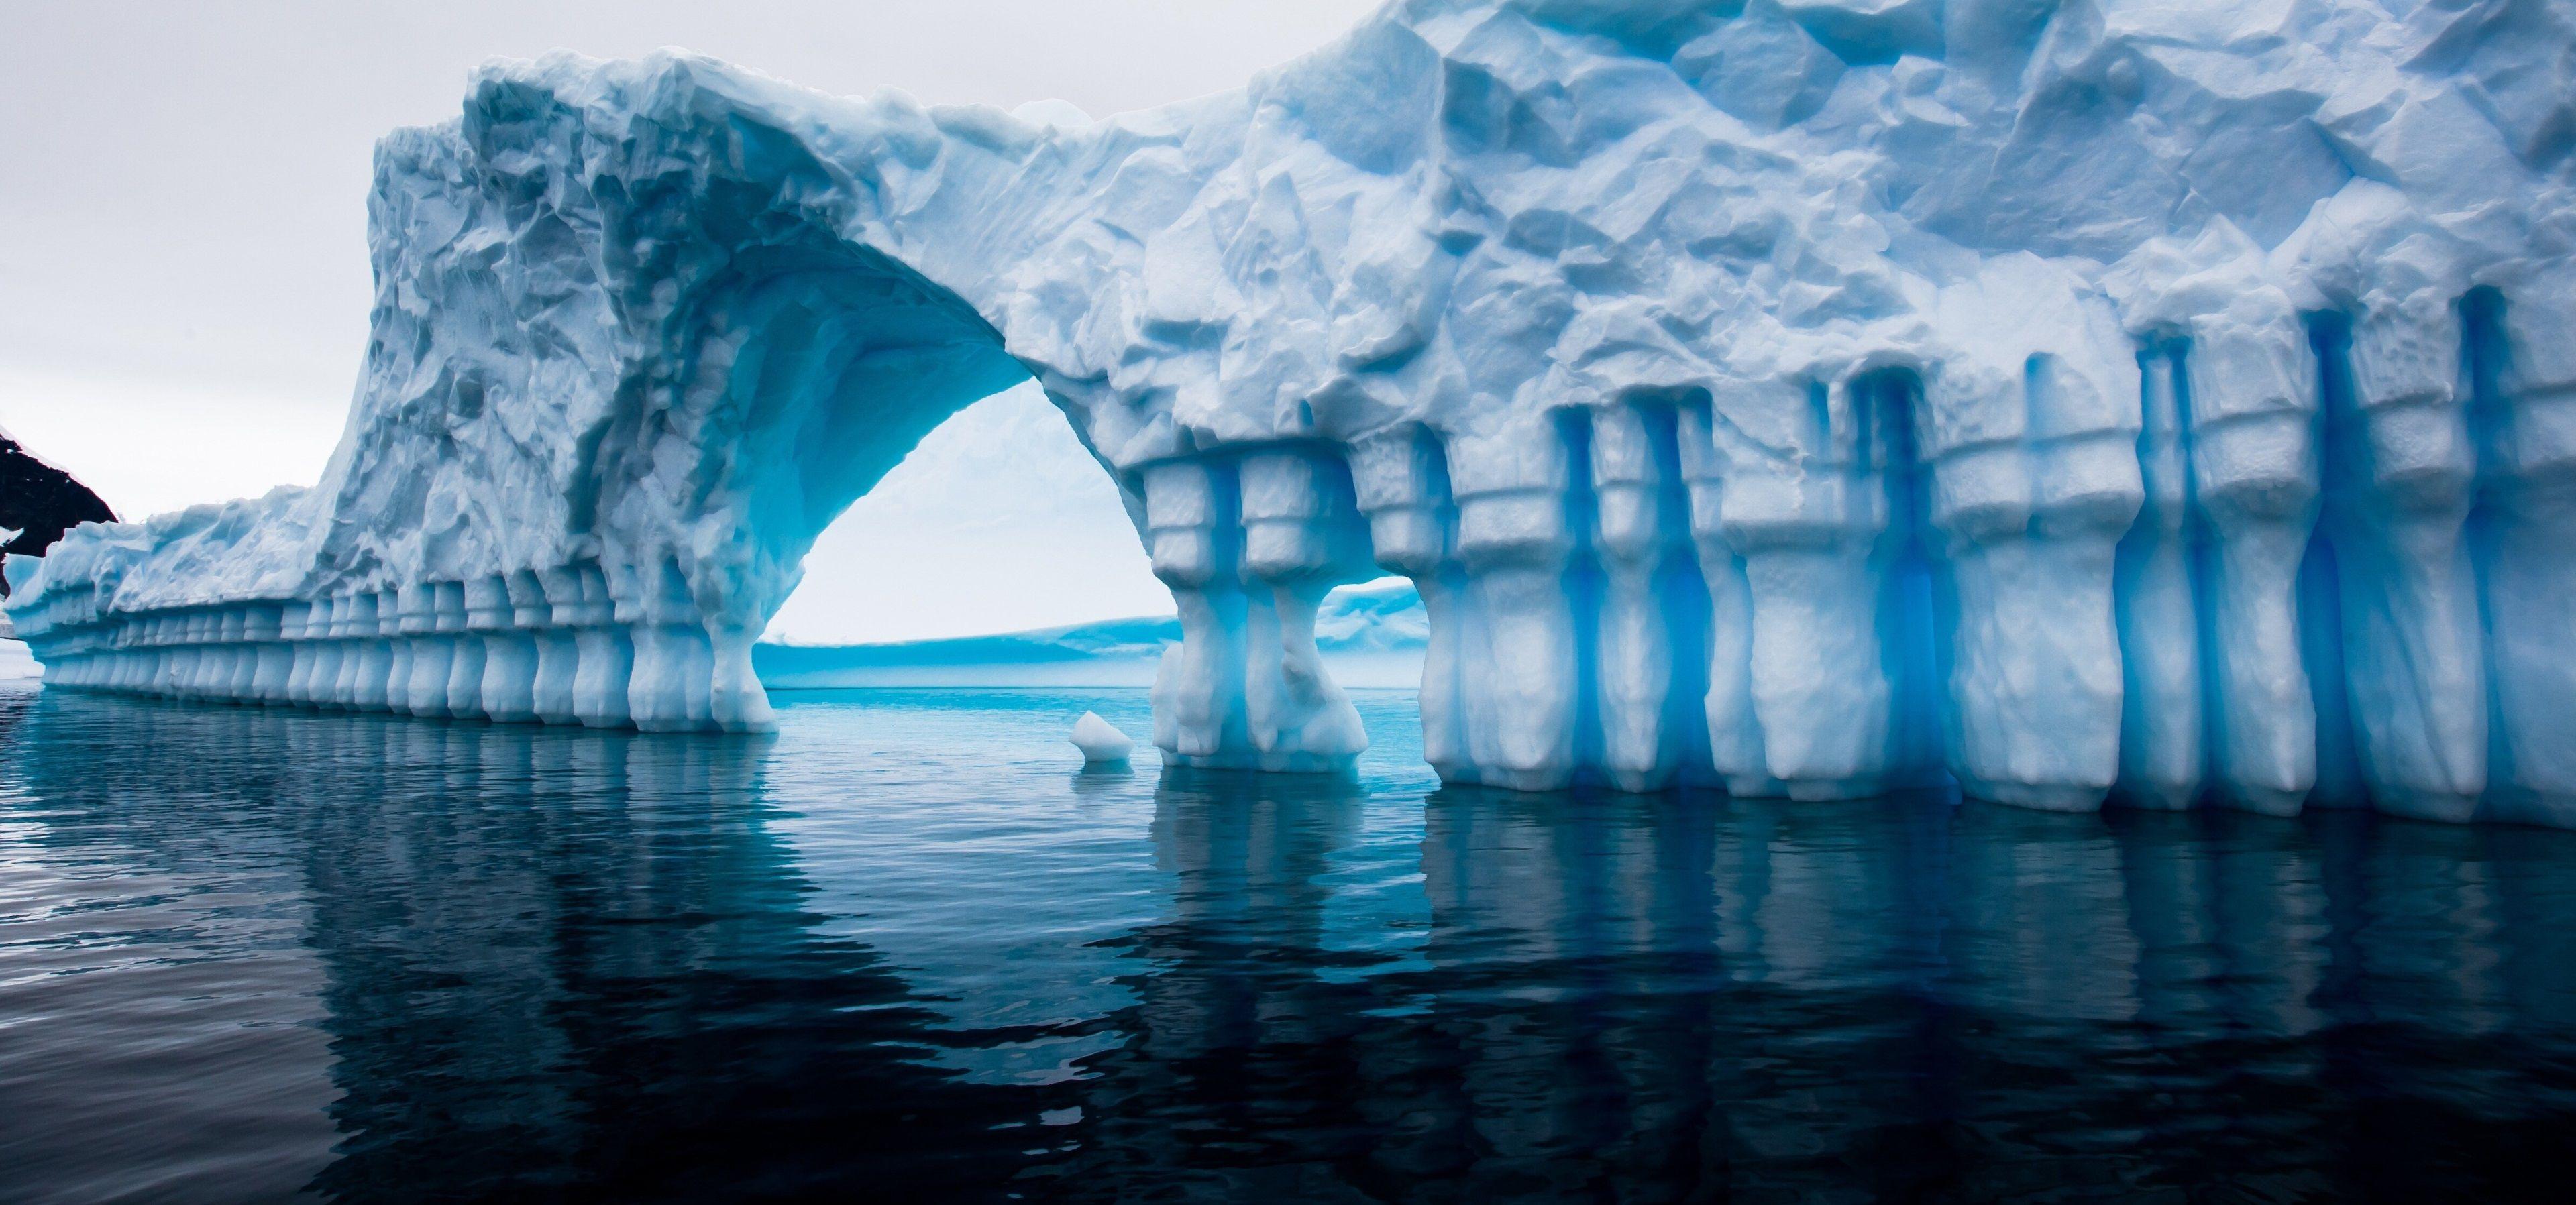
2167 402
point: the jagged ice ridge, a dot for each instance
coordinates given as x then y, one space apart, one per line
2168 401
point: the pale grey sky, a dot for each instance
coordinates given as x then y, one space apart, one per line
183 267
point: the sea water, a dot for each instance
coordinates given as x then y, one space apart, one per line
908 947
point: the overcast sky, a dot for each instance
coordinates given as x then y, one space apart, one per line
183 266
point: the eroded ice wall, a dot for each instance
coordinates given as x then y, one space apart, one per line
2160 401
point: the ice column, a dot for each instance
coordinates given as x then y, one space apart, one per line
353 623
2402 482
1650 663
2030 523
2161 722
1401 477
265 674
1811 521
2523 367
674 667
736 701
242 622
509 653
552 695
460 606
177 637
329 627
381 623
1522 651
425 690
302 626
2250 385
1190 523
1735 743
399 649
1301 537
606 652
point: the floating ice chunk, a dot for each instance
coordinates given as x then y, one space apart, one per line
1100 741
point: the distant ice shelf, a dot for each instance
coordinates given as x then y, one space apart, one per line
2162 402
1369 636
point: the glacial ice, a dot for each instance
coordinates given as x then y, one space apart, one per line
1100 741
2165 401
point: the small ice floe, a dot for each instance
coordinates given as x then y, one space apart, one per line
1099 741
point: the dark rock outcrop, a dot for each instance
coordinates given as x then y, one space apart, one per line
41 502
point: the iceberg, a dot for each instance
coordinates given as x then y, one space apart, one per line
2166 403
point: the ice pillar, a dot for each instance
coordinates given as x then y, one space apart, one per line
1734 727
1401 478
2402 479
606 654
1649 664
1195 541
1522 670
2522 362
2162 754
2029 527
1811 521
552 695
2251 388
1301 537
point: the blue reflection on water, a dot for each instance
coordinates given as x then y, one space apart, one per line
905 946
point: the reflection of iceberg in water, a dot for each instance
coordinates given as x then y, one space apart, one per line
117 933
1640 999
555 962
1231 1002
2223 913
1270 1039
550 958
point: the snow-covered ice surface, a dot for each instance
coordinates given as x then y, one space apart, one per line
2158 400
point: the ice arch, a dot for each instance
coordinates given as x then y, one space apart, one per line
827 363
1787 396
615 391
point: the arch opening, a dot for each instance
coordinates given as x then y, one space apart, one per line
833 372
833 365
999 521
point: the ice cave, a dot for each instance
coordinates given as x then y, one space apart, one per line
2162 402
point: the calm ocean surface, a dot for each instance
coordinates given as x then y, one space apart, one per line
905 949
